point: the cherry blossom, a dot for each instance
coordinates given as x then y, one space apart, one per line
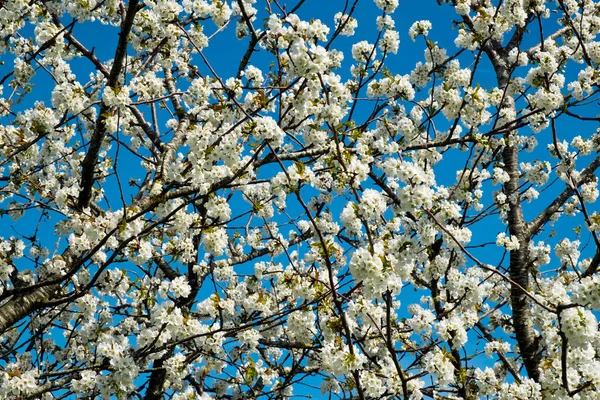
248 199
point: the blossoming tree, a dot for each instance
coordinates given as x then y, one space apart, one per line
313 220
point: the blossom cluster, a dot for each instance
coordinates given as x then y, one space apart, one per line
301 207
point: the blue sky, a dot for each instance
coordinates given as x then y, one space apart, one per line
225 52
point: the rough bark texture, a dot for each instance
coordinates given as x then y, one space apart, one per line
157 380
522 318
519 271
20 306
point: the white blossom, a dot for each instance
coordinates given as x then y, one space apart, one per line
511 243
419 28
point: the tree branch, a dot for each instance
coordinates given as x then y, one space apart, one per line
88 165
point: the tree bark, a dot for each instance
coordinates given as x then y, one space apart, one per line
519 269
20 306
522 318
88 165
